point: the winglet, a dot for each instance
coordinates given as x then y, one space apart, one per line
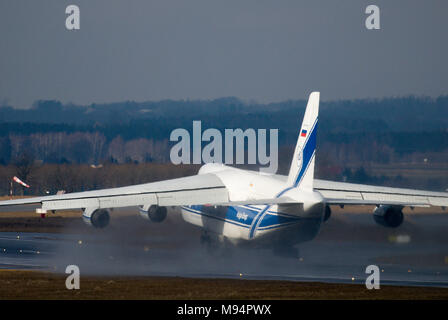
301 172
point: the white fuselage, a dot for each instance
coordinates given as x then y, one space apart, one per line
258 221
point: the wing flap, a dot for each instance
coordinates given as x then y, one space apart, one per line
334 194
374 203
383 198
437 201
357 194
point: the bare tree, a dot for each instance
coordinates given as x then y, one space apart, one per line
24 166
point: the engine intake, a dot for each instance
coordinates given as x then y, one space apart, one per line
154 213
98 218
389 216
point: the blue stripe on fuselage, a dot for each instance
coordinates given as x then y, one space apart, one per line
237 215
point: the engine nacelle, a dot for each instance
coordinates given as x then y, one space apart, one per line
97 218
388 216
327 213
153 213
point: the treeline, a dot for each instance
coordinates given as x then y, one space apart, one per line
408 129
378 115
95 147
81 147
51 178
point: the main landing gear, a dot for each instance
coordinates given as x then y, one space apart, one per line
215 245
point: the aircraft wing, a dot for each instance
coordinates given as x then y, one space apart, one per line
193 190
208 189
341 193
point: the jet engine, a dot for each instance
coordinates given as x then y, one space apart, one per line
388 216
153 213
98 218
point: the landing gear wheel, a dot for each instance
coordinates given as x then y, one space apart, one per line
208 243
215 246
205 239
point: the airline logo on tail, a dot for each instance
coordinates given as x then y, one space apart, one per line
301 172
306 155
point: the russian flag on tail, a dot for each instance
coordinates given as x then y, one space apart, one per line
303 133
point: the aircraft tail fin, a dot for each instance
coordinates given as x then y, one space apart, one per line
301 172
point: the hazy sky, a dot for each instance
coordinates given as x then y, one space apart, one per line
202 49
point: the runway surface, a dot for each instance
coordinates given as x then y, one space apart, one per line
415 254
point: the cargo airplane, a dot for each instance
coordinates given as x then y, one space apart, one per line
235 206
